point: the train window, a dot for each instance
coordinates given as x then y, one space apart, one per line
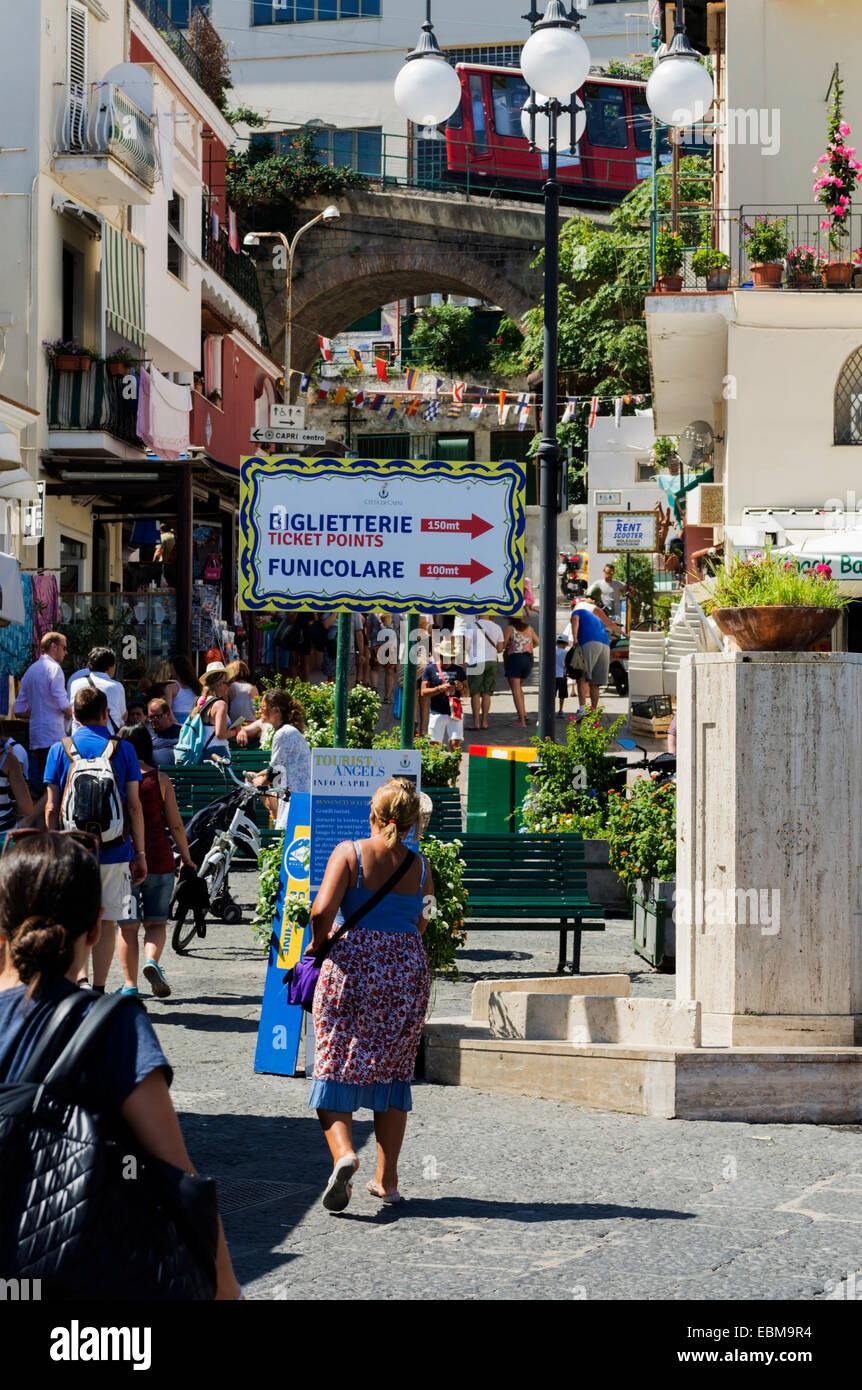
642 122
606 116
480 134
509 95
456 120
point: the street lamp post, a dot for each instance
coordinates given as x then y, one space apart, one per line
329 214
555 61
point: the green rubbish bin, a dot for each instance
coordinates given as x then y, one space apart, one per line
489 796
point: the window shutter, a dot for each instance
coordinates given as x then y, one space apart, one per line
77 55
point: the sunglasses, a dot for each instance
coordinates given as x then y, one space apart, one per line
85 839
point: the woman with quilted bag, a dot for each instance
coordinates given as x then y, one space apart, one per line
69 1219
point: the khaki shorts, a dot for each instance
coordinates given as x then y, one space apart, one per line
484 682
117 898
597 660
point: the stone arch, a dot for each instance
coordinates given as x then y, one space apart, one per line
336 292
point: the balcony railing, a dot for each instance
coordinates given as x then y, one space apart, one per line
725 229
238 270
94 400
174 38
101 119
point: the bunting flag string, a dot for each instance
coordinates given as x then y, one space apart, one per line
433 409
594 410
377 402
502 412
458 391
325 347
476 410
394 409
381 365
357 358
340 396
359 400
571 410
412 376
304 382
454 410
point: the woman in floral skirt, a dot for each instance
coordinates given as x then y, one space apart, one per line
372 995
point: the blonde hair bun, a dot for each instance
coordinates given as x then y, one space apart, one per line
396 808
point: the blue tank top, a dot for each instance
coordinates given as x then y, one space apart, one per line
590 627
398 912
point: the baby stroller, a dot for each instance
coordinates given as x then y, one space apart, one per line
215 834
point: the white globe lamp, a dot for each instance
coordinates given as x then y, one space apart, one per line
427 89
555 58
680 90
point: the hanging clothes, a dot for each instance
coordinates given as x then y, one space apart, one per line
45 600
163 414
16 640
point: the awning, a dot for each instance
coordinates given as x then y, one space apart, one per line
676 489
17 485
123 269
841 550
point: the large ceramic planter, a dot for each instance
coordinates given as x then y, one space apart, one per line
838 275
766 275
805 282
777 628
717 279
654 921
668 284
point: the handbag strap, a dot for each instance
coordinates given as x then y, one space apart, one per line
373 901
48 1036
73 1058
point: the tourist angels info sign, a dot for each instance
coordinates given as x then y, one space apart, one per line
366 533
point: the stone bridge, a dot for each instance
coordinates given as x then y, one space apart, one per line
393 245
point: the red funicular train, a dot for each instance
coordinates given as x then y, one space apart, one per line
485 143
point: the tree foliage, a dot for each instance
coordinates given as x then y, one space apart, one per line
442 339
258 175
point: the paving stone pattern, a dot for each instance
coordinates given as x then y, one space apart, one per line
507 1197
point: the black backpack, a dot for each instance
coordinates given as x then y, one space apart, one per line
71 1215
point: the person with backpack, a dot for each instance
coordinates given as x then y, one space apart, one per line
205 732
99 673
50 910
93 783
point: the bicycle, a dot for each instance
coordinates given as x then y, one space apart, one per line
242 832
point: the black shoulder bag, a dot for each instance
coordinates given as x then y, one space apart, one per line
85 1209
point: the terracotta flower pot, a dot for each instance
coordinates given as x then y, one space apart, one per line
69 362
668 284
806 282
776 628
717 279
838 274
766 274
118 369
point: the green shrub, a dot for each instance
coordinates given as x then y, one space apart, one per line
318 701
444 932
641 831
440 767
573 778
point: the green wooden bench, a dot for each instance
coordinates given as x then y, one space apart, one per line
446 820
197 787
522 881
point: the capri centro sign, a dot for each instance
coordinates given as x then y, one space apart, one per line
328 534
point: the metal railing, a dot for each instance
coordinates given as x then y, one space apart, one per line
92 400
727 229
418 162
174 38
237 269
101 119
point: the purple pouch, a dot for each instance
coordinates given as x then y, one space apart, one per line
302 981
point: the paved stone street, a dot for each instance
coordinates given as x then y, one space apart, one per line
508 1197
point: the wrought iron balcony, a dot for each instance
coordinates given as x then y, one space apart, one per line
94 401
237 269
174 38
97 126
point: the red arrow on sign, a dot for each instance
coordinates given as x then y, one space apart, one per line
474 571
474 525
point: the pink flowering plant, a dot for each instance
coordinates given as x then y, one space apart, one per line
804 260
766 580
837 175
766 240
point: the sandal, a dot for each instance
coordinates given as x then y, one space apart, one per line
386 1199
339 1189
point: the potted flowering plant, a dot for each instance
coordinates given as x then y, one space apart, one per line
712 266
669 252
68 355
120 361
804 264
837 175
641 834
769 604
766 243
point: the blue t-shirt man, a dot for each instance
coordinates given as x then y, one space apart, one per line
590 626
90 742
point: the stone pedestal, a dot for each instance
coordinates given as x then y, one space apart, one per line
769 871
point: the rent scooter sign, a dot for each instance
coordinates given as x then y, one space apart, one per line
357 533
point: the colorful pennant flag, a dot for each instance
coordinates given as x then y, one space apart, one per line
594 410
433 409
323 393
396 406
340 396
377 402
618 411
571 411
454 410
476 410
357 358
325 347
524 409
359 400
458 391
304 382
502 412
412 377
381 365
413 406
